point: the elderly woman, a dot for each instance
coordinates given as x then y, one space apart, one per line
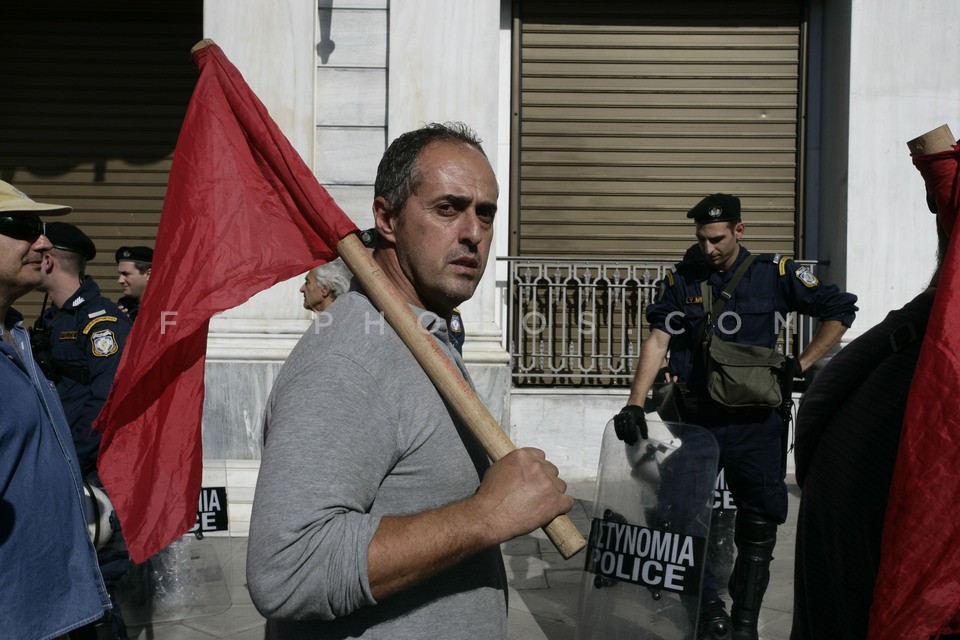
323 284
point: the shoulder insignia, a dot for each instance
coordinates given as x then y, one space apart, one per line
668 276
90 324
96 314
103 343
806 276
68 335
783 265
455 325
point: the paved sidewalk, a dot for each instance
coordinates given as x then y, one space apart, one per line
544 588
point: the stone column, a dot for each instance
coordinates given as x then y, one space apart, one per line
445 65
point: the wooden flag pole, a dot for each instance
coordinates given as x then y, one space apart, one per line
444 374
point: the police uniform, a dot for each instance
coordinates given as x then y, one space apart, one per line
131 304
86 340
772 287
750 439
456 330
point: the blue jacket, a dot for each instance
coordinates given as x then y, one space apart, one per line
49 580
87 335
772 287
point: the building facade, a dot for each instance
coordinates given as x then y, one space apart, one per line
604 122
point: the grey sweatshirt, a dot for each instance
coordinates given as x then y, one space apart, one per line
355 430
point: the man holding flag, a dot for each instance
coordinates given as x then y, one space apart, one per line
876 447
371 492
376 514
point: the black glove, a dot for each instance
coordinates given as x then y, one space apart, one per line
630 424
794 370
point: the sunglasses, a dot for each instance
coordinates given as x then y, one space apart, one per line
28 229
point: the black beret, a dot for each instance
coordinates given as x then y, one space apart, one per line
65 236
717 207
134 254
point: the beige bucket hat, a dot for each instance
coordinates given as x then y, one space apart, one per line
12 200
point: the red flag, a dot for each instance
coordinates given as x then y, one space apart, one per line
917 593
242 212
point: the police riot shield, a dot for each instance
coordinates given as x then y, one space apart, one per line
650 525
721 549
193 575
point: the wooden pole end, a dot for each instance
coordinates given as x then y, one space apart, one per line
935 141
206 42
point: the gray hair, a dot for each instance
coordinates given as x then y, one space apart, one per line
335 275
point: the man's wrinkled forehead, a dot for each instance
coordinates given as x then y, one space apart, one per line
451 159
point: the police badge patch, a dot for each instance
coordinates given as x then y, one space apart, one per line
455 325
806 276
103 343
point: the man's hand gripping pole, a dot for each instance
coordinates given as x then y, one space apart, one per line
444 375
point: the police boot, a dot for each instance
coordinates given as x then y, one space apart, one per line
755 537
714 622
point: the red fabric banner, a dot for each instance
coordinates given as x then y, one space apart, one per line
917 593
242 212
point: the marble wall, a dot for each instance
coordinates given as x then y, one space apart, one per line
902 83
342 79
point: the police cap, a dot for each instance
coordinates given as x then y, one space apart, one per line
65 236
134 254
717 207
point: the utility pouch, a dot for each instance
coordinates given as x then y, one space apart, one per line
741 376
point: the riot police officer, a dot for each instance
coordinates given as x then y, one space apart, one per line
756 300
78 341
134 265
85 333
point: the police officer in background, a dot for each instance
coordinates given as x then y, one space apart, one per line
78 341
751 439
134 265
86 334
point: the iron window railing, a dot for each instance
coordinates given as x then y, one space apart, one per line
580 322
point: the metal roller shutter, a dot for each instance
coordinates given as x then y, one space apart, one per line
627 113
93 97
